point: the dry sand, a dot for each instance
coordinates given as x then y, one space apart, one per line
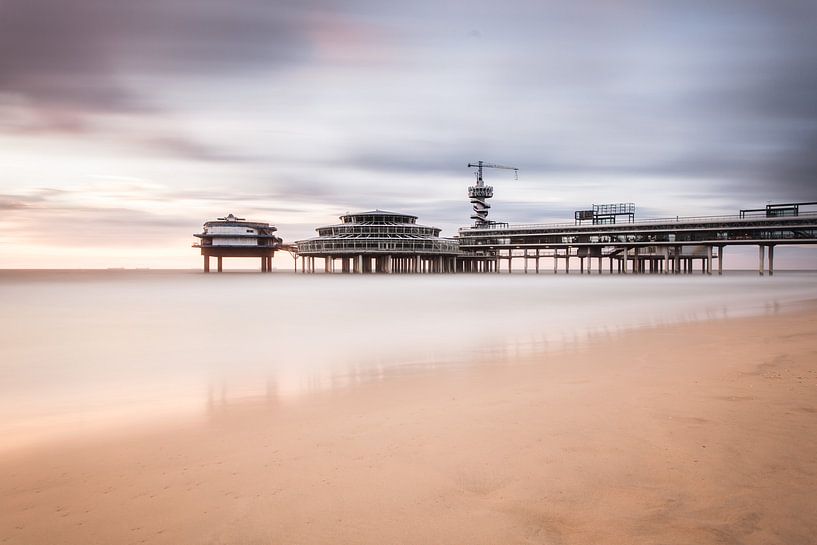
698 433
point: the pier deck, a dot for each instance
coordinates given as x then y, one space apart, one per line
659 245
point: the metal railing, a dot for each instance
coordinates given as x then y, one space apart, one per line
652 221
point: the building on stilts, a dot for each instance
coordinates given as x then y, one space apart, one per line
235 237
378 242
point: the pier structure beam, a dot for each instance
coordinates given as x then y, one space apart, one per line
207 263
761 259
537 260
526 261
567 261
263 264
581 265
555 261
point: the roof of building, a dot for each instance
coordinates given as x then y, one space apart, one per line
379 213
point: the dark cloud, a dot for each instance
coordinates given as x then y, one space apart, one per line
76 54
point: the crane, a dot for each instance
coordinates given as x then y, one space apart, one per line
478 193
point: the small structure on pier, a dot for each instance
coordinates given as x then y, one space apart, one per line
235 237
602 214
379 241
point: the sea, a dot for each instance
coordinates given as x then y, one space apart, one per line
84 351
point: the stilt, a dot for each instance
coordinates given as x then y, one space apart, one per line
207 263
720 260
771 259
709 259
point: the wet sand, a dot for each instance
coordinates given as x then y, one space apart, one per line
694 433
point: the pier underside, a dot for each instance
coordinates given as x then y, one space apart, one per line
379 263
264 254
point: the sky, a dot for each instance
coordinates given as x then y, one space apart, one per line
125 125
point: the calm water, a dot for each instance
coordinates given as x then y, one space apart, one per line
83 350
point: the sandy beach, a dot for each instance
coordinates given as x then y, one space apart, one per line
690 433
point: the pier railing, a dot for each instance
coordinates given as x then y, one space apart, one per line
746 218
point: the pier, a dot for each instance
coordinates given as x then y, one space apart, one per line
677 245
603 239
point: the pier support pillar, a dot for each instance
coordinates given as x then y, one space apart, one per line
771 259
555 261
207 263
761 256
709 259
720 260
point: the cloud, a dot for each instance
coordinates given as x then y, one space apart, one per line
66 64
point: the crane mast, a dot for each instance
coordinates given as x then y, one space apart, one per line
480 192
